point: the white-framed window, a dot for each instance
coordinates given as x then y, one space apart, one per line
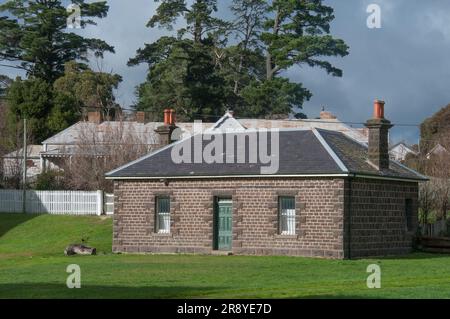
163 215
286 213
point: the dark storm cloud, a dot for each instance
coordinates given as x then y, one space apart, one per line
406 62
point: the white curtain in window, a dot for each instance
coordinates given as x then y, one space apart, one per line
164 223
163 215
287 215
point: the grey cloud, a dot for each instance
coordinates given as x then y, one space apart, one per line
406 62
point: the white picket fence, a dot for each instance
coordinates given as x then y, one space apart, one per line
54 202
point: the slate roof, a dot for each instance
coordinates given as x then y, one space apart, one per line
301 152
354 157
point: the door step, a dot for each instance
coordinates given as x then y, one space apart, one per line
221 253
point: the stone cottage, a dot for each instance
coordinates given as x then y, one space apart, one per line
301 192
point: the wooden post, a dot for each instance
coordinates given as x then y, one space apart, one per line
24 169
99 203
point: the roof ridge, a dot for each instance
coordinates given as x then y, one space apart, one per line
330 151
346 136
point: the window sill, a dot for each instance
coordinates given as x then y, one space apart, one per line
298 235
163 234
286 236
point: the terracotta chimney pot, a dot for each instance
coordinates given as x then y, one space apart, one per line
172 118
166 117
378 109
95 117
140 117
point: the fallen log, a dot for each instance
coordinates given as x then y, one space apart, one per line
77 249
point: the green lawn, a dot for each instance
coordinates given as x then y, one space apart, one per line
32 265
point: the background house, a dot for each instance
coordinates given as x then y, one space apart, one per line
399 151
13 162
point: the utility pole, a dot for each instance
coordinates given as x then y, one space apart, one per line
24 168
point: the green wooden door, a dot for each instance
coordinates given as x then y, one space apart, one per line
224 225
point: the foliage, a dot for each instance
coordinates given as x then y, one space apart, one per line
245 61
48 181
245 56
64 113
5 82
83 89
3 128
434 200
52 108
273 98
181 76
34 36
297 32
46 111
435 130
198 18
30 99
448 228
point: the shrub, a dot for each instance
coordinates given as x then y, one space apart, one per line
448 228
49 181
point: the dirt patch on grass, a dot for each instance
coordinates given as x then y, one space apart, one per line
14 255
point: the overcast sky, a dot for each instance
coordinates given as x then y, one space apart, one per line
406 62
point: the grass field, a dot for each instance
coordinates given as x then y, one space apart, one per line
32 265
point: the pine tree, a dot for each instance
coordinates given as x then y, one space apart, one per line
35 38
245 55
297 32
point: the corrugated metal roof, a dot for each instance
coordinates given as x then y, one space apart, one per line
73 134
33 151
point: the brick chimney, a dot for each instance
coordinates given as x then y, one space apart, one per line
165 131
378 128
95 117
140 117
326 115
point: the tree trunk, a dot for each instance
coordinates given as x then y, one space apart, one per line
270 67
236 81
198 32
198 28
